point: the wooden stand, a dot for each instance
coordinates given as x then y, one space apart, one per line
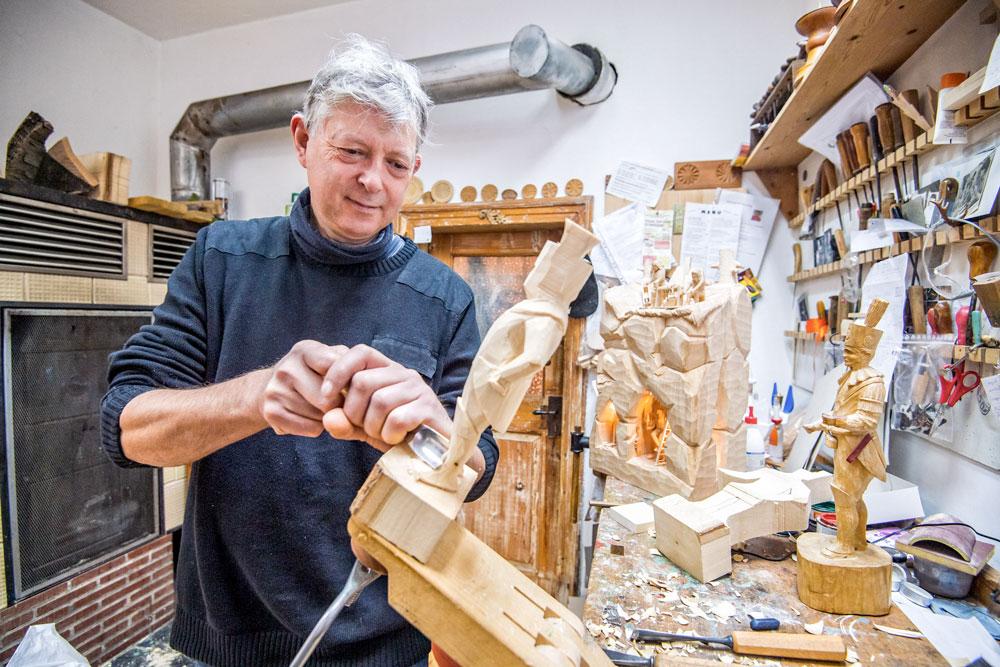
860 584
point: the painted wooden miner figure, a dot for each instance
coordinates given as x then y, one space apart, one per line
851 431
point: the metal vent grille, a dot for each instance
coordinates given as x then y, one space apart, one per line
167 247
39 236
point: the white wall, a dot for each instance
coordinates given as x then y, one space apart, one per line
689 73
94 78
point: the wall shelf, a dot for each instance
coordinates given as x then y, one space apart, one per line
918 146
873 36
804 335
938 238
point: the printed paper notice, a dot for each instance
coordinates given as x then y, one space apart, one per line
638 183
991 383
621 235
657 242
757 215
709 229
887 280
992 78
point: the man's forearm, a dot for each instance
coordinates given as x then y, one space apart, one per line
171 427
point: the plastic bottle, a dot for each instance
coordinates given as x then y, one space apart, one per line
775 450
756 454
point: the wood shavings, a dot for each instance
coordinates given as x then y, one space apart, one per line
652 533
738 558
680 620
659 583
898 632
713 584
814 628
852 656
727 658
654 552
724 610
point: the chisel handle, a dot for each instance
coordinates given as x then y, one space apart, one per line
859 133
790 645
886 133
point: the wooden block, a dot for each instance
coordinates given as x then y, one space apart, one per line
408 512
705 174
63 153
858 584
698 536
156 205
634 517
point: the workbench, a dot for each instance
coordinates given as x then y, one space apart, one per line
677 602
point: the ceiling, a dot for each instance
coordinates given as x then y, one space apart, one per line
167 19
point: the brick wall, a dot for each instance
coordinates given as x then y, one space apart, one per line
102 611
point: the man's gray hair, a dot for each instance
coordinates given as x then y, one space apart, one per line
365 72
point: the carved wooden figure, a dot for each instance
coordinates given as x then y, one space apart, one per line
461 594
677 356
698 536
846 575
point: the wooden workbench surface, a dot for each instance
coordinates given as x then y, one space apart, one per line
756 586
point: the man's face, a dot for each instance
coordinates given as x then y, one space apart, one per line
855 357
358 165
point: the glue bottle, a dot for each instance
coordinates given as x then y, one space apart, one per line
756 454
775 451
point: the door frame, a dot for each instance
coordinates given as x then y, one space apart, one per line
557 558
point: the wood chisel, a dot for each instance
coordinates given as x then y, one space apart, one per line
770 644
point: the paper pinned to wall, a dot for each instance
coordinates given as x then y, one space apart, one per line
992 78
658 239
887 280
637 183
855 106
757 216
621 235
709 229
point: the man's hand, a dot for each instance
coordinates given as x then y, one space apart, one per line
384 401
291 402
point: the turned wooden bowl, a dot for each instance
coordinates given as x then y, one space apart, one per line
816 25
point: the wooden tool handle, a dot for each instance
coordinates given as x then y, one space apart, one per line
915 295
790 645
846 166
886 134
859 133
981 256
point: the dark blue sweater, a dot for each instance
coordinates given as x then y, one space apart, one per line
264 547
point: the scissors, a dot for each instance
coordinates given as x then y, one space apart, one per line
956 382
960 383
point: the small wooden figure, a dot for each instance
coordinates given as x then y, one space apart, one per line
846 575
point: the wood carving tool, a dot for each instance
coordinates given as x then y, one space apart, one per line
886 139
357 581
942 310
961 323
845 158
860 136
856 452
915 296
628 660
769 644
762 624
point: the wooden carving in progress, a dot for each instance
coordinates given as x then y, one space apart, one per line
846 575
698 536
673 382
461 594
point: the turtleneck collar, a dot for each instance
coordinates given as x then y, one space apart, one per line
385 246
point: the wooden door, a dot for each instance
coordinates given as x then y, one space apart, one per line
529 514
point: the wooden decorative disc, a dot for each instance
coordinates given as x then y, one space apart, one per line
468 193
442 192
574 187
508 194
529 191
428 198
550 190
414 189
859 584
489 192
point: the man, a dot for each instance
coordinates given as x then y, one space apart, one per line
288 354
